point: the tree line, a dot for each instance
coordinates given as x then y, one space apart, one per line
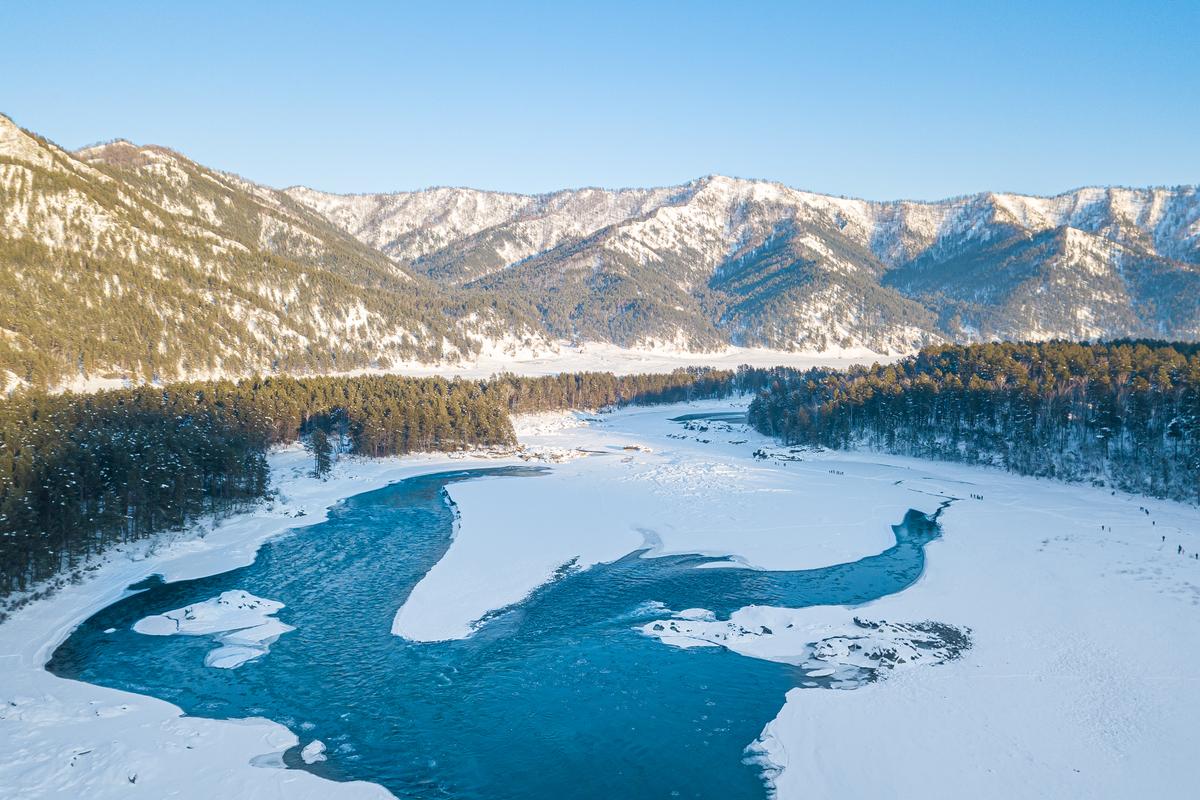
1124 414
526 395
81 473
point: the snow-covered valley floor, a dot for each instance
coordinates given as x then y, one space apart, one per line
1079 681
558 357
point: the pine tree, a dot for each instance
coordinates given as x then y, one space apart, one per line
322 451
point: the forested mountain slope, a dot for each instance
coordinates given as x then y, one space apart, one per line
127 260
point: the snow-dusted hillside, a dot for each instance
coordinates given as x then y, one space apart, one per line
723 260
715 215
135 262
411 226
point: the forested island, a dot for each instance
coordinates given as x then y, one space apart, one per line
1124 414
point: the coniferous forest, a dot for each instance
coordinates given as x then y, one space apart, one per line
1124 415
526 395
80 473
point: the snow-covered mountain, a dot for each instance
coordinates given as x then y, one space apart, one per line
128 260
758 263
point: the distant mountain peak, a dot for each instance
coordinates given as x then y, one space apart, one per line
19 145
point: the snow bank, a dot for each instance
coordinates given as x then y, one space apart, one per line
242 623
1078 679
643 485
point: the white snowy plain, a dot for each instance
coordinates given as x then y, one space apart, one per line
550 358
1080 680
541 356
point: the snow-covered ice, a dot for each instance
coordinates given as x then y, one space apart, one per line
825 641
243 624
639 489
313 752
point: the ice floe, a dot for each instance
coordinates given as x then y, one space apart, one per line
313 752
243 624
826 642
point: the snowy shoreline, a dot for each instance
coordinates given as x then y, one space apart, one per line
62 736
1081 637
1079 613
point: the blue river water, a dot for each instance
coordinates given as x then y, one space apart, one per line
557 696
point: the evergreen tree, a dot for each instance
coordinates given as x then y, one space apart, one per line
322 451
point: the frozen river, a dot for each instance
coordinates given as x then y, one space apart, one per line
560 695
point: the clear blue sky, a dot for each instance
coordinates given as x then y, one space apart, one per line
879 100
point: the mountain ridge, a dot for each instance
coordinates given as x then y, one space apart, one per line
1019 208
704 229
832 195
